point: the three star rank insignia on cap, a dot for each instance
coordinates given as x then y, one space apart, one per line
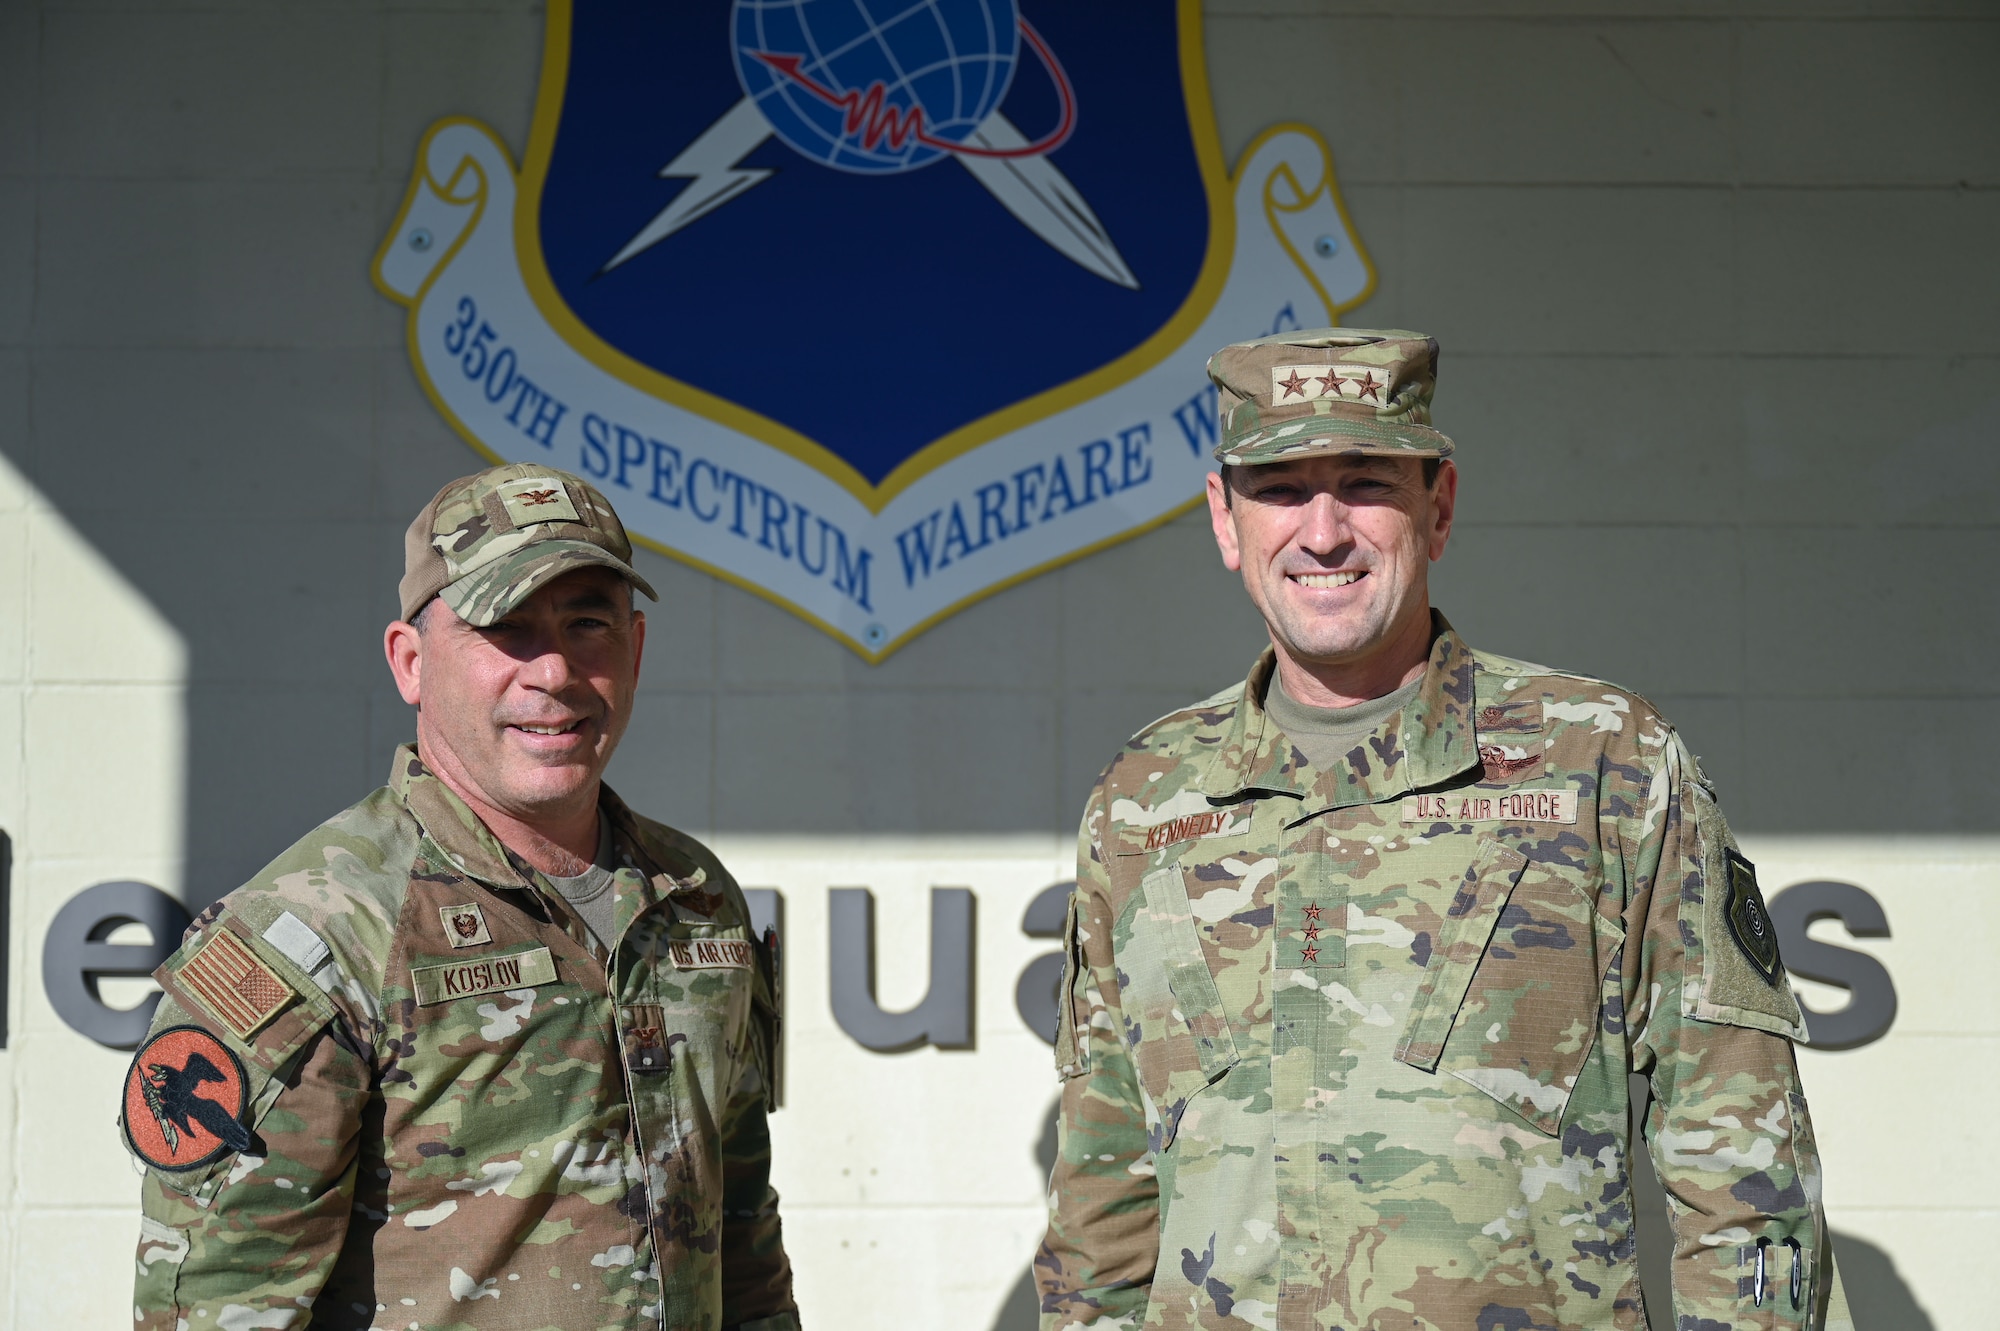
1310 383
185 1094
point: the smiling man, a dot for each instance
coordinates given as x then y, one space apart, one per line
1365 950
488 1049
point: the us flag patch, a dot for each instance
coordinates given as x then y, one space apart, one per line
234 984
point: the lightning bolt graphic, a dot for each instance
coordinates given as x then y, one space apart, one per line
709 166
1028 186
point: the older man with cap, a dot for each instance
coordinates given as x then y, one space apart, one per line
1365 949
488 1049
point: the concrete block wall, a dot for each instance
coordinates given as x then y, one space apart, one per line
1714 284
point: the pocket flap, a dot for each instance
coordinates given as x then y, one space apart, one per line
1468 925
1196 999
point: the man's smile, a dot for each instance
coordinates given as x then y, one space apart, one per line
1325 581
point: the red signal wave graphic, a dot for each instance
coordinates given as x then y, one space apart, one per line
870 115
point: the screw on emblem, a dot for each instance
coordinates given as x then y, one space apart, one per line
1326 247
420 240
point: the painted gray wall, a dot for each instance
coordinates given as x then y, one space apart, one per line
1714 284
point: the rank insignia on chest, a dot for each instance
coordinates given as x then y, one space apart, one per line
1749 922
644 1037
464 926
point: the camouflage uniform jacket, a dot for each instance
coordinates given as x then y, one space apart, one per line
461 1115
1350 1049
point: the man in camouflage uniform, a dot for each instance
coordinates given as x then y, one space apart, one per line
487 1049
1364 949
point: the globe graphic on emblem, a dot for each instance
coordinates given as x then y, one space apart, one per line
875 86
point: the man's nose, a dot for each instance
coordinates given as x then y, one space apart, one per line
1323 526
550 667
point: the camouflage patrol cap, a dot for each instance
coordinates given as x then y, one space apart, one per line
488 542
1327 390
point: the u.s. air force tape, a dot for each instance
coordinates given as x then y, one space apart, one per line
711 953
1484 806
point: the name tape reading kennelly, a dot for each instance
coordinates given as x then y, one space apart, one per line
1515 806
462 979
1199 826
710 953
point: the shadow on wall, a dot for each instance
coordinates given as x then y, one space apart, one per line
1880 1298
1022 1310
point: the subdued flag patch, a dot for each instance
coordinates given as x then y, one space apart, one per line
184 1099
235 984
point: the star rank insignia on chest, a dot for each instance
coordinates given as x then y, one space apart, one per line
464 926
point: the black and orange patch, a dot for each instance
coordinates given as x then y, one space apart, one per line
184 1100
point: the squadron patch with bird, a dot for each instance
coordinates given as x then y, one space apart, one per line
184 1100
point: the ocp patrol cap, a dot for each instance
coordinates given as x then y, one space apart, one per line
1327 390
486 543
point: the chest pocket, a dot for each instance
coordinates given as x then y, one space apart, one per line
686 1012
1184 1041
1511 999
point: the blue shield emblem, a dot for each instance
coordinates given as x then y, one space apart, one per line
871 306
839 231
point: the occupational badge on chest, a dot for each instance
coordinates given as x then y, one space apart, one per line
464 926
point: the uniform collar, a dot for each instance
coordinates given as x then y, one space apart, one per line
1429 742
649 869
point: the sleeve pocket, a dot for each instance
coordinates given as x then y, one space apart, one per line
1072 1001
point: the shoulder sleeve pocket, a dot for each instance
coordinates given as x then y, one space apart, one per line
1739 979
235 1017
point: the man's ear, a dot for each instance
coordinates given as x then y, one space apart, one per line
403 644
1223 521
1444 504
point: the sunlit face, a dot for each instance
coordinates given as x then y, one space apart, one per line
524 715
1335 551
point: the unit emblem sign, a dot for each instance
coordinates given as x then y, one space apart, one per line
870 306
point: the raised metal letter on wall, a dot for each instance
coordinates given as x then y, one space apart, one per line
1871 1006
944 1017
75 954
870 321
